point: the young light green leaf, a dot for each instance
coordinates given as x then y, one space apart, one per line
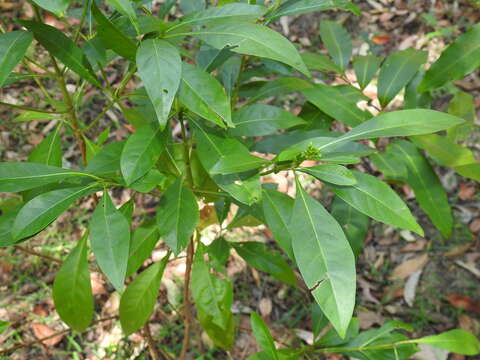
263 336
141 151
324 258
376 199
428 189
397 71
463 106
58 7
110 240
160 68
125 8
255 40
140 296
331 173
62 48
49 151
39 212
457 341
277 209
112 37
144 239
365 68
458 60
204 95
13 46
177 216
255 254
337 41
296 7
235 12
261 119
471 171
332 101
72 291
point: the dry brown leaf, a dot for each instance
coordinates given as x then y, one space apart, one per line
265 307
463 302
410 288
409 267
41 331
457 250
466 192
475 226
381 39
97 284
369 318
418 245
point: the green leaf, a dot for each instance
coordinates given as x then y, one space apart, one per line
125 8
141 151
331 173
263 336
261 119
337 41
296 7
412 99
58 7
429 192
110 240
49 151
177 216
365 68
72 291
324 258
39 212
255 254
4 325
277 209
319 62
144 239
62 48
283 85
471 171
376 199
107 160
160 68
354 223
188 6
333 102
221 15
201 93
255 40
457 341
140 296
6 223
112 37
13 46
458 60
463 106
399 123
397 71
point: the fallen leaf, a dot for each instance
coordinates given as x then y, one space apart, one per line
369 318
381 39
457 250
418 245
97 284
463 302
428 352
470 266
409 267
411 287
466 192
475 226
41 331
265 307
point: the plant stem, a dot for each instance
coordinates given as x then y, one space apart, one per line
186 151
35 253
187 311
151 343
28 108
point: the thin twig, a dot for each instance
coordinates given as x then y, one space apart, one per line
58 333
187 310
151 343
35 253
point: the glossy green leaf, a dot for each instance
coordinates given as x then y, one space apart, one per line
160 68
253 39
58 7
458 60
283 85
72 291
125 8
263 336
331 173
333 102
235 12
354 223
13 46
397 71
471 171
296 7
201 93
141 151
49 151
256 255
365 68
376 199
277 209
261 119
229 73
399 123
7 220
457 341
39 212
112 37
144 239
324 258
463 106
320 62
110 240
107 160
63 48
337 41
140 296
429 192
177 216
412 99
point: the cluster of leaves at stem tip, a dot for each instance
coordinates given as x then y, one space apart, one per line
210 127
